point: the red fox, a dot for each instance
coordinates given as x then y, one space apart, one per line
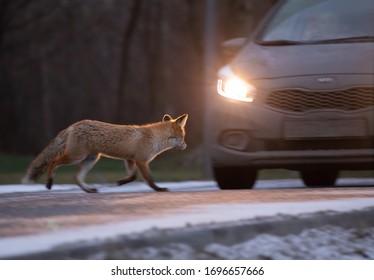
84 142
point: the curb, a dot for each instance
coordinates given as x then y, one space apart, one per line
199 236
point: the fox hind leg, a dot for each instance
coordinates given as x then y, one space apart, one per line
131 167
84 167
144 169
51 172
63 159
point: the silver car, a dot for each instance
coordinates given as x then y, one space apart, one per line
298 95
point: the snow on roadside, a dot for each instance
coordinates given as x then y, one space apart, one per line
329 242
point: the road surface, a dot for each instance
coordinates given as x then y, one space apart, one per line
30 214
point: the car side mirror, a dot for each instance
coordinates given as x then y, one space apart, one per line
232 47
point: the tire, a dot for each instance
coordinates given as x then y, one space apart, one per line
315 178
231 178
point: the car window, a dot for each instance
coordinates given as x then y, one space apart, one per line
318 20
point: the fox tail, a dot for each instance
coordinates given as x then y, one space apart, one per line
52 151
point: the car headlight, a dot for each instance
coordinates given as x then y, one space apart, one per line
231 86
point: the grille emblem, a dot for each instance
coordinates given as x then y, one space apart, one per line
325 80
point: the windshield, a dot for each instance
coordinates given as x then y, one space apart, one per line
303 21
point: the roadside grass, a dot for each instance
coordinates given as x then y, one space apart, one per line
171 166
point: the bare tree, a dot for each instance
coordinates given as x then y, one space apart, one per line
124 57
119 61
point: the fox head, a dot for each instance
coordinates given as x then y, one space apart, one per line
176 139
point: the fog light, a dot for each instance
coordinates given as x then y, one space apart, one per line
235 139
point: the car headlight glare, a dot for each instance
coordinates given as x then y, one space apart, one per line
235 88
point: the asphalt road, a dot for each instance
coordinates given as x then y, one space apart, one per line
31 209
33 219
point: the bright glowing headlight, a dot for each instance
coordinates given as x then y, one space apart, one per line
230 86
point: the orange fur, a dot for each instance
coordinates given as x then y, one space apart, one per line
86 141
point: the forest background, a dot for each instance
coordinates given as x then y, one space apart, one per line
119 61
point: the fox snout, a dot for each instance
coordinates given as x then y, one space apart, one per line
183 146
177 143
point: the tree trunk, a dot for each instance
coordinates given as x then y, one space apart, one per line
125 56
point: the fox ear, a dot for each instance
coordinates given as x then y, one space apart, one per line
181 121
166 118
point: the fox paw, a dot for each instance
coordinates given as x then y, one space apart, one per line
93 190
162 189
49 183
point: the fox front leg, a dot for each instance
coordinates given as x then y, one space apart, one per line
144 169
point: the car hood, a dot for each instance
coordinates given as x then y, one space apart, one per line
258 62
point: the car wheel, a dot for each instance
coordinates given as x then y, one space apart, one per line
319 177
230 178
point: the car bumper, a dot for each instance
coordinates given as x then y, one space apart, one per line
245 134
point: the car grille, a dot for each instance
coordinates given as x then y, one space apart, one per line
301 100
